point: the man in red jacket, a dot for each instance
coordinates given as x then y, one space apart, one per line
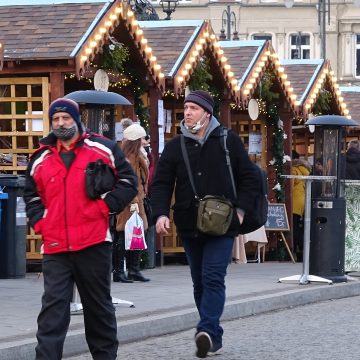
75 230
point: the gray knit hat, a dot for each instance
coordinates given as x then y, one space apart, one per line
201 98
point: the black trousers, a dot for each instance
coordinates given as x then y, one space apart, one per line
298 233
90 269
120 254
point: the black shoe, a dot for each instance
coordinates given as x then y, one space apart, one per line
203 343
121 277
215 350
137 276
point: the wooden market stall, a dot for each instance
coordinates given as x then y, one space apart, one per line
318 93
263 118
51 45
181 48
43 62
351 95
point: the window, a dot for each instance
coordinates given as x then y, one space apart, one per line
262 37
357 55
299 46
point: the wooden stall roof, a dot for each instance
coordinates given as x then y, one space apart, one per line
351 95
73 33
178 45
249 60
307 78
36 32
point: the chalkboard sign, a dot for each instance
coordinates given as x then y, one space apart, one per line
277 219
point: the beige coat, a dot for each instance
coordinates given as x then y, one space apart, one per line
140 167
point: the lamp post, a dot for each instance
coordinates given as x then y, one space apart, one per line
323 8
228 19
168 7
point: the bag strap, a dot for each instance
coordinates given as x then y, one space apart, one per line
224 132
187 164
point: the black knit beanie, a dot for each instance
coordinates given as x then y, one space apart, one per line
201 98
66 105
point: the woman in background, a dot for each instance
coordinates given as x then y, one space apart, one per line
132 147
302 168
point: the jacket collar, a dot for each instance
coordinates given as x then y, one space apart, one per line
213 124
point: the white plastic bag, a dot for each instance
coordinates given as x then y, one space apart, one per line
134 233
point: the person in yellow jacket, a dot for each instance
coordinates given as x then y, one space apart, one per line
299 167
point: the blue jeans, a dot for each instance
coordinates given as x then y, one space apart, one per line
208 259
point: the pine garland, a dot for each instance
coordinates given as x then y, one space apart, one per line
138 88
271 99
322 105
115 58
274 121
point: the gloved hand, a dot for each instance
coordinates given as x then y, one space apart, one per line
134 207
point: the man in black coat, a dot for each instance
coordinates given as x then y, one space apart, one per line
353 160
208 256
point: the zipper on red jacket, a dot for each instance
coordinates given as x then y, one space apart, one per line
65 203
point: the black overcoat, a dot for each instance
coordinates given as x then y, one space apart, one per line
211 176
353 164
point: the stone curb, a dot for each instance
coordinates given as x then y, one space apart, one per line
175 321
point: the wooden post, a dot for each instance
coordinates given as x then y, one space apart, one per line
56 85
154 128
225 113
288 143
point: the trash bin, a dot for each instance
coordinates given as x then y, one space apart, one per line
3 198
327 248
13 228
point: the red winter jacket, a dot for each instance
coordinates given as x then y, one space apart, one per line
56 202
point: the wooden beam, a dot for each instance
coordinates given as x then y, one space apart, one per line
155 96
36 69
56 85
225 113
286 117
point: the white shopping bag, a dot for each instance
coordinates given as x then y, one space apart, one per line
134 233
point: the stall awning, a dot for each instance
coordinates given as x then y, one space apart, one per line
308 78
351 95
178 46
249 60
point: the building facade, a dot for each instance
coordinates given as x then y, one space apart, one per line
294 31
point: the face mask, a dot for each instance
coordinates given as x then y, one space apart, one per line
197 126
65 134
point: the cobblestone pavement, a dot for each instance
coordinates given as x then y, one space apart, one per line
327 330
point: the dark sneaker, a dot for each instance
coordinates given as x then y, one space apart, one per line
203 343
215 350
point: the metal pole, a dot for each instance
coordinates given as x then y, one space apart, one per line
228 16
322 23
305 278
307 226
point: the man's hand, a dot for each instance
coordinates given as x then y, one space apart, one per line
134 207
162 224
